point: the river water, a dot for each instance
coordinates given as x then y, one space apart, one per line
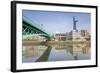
55 52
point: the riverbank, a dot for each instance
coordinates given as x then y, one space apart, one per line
68 42
30 42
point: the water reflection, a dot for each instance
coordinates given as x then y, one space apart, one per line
55 52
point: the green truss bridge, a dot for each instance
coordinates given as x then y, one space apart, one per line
31 28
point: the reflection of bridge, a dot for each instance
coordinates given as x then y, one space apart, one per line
45 55
31 28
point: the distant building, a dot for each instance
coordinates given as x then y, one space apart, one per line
73 35
81 35
85 34
60 36
76 35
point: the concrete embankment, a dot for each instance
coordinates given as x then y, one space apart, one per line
67 42
29 42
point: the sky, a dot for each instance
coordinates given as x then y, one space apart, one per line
59 22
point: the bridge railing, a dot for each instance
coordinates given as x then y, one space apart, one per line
31 22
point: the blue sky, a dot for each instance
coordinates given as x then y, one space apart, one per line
59 21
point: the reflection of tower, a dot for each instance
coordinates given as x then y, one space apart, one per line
74 24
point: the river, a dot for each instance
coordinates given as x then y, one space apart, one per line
55 52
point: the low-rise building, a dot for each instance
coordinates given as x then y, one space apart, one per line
60 36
